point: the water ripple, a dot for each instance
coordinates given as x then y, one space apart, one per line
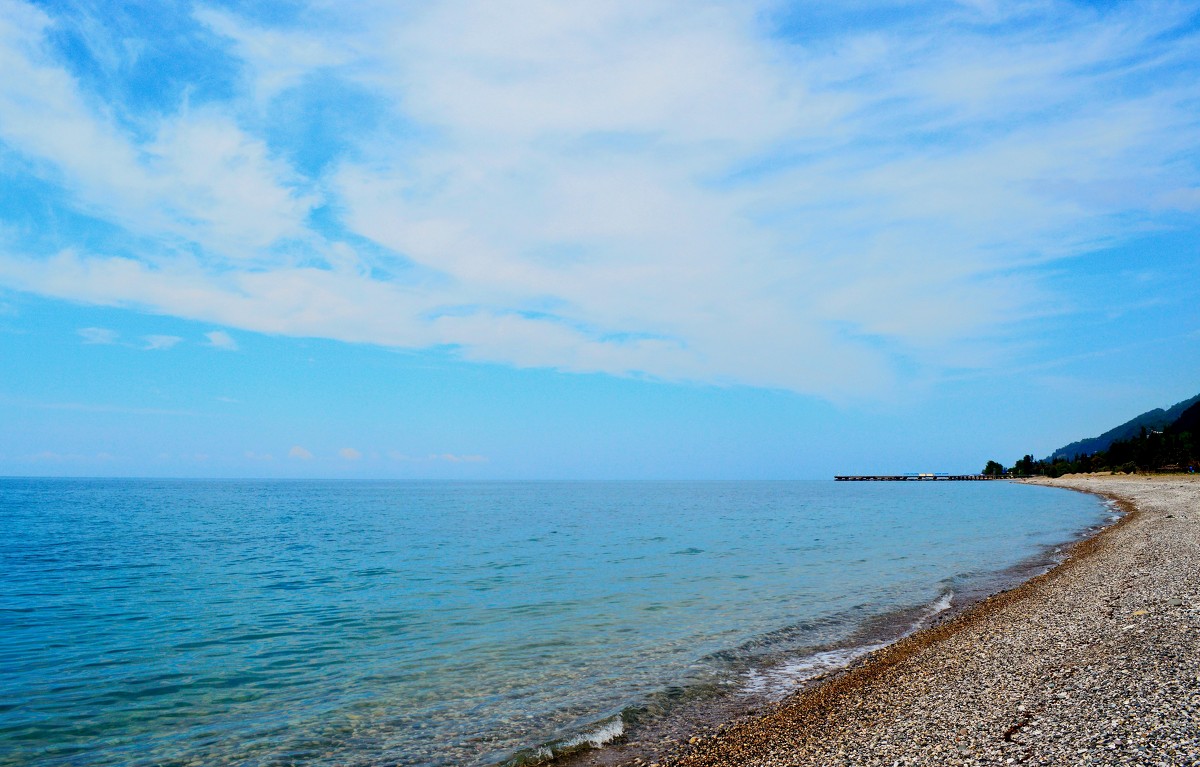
196 623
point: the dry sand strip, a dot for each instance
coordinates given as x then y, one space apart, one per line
1096 662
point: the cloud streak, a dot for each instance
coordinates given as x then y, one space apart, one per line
705 192
160 342
88 407
99 336
219 339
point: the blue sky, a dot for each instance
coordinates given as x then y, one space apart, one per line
590 240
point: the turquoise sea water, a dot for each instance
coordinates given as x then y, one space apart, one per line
182 623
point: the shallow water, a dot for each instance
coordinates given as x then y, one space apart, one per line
321 623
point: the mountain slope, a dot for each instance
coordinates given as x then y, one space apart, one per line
1153 420
1188 421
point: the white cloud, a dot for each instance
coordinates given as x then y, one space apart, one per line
219 339
98 335
350 454
299 452
197 177
157 342
280 59
661 188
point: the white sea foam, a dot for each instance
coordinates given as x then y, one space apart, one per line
942 604
777 682
605 733
1114 509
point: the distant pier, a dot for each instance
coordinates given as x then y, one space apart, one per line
914 477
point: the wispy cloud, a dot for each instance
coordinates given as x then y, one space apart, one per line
193 175
350 454
51 456
300 453
452 458
154 343
91 407
102 336
219 339
396 455
699 191
109 337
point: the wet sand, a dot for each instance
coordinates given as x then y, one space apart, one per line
1095 662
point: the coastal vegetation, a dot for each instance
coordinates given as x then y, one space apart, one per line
1174 446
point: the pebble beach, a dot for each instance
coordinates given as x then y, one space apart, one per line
1094 662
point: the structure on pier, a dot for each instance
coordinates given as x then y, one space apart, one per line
914 477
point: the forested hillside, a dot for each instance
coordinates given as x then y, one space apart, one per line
1153 420
1154 445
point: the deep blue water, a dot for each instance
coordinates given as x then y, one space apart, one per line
148 622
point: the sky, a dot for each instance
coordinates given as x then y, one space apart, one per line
615 239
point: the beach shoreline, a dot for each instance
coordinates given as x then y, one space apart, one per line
1095 661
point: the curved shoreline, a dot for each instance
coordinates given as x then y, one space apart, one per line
666 733
1037 674
1096 659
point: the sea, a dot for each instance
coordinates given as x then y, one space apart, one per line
187 623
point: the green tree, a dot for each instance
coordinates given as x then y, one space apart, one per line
1027 466
993 469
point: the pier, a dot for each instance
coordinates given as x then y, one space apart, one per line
914 477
